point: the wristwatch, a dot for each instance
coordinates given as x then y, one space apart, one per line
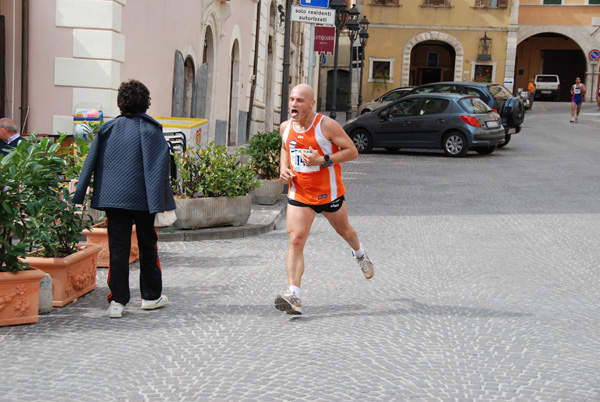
327 162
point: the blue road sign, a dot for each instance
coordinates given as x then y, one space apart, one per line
315 3
594 55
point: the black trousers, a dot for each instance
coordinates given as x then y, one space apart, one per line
119 243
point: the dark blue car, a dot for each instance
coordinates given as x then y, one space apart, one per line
453 123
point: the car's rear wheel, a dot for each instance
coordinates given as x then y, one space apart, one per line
485 150
362 141
506 141
455 144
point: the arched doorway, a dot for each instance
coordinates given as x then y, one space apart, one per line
551 53
234 90
431 61
442 39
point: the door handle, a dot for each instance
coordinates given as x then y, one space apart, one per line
441 121
405 123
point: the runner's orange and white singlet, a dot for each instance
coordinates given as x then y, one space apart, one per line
313 185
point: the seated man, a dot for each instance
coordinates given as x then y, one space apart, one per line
9 135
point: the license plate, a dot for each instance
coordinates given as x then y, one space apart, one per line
512 130
491 124
546 92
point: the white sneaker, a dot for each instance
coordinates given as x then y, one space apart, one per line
288 302
366 266
576 119
152 304
116 310
572 120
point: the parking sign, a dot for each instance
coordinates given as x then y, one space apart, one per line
315 3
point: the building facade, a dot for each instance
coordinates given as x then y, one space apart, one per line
215 59
557 37
502 41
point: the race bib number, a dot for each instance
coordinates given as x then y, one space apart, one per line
577 91
298 163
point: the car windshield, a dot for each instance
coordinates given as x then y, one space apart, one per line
499 92
474 105
392 96
423 90
546 78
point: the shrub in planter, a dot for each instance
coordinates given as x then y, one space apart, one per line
213 172
19 284
264 150
48 224
210 173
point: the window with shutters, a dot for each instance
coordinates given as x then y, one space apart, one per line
436 3
491 3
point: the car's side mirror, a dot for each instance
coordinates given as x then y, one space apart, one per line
383 115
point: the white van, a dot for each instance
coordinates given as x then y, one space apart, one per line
547 86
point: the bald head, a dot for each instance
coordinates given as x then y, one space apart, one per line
305 91
8 128
301 102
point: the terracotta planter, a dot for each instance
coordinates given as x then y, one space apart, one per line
19 296
99 235
269 192
196 213
72 276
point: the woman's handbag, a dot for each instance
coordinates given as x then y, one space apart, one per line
165 218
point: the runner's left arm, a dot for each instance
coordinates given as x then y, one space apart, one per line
336 134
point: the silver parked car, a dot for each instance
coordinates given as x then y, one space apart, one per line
384 100
454 123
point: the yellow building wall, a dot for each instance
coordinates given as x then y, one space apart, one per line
557 15
461 14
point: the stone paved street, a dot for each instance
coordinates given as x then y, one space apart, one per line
485 289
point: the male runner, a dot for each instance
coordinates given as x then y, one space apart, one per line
312 149
577 92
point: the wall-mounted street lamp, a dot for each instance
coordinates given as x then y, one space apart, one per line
485 49
363 36
353 27
341 13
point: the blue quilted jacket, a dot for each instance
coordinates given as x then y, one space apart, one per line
129 159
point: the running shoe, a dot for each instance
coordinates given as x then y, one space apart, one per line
288 302
116 310
152 304
366 266
572 120
576 119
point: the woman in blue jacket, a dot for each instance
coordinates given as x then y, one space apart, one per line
129 160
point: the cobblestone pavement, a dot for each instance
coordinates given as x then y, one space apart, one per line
485 289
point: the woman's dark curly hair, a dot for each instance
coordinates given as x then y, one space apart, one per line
133 98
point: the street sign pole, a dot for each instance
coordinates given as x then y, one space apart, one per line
311 54
285 90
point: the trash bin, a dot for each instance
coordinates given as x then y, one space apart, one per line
84 115
194 130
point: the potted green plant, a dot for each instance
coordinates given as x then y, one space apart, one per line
19 283
52 225
264 150
212 187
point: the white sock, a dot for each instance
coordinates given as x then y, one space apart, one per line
295 290
359 253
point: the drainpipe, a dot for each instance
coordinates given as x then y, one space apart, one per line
24 65
254 70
